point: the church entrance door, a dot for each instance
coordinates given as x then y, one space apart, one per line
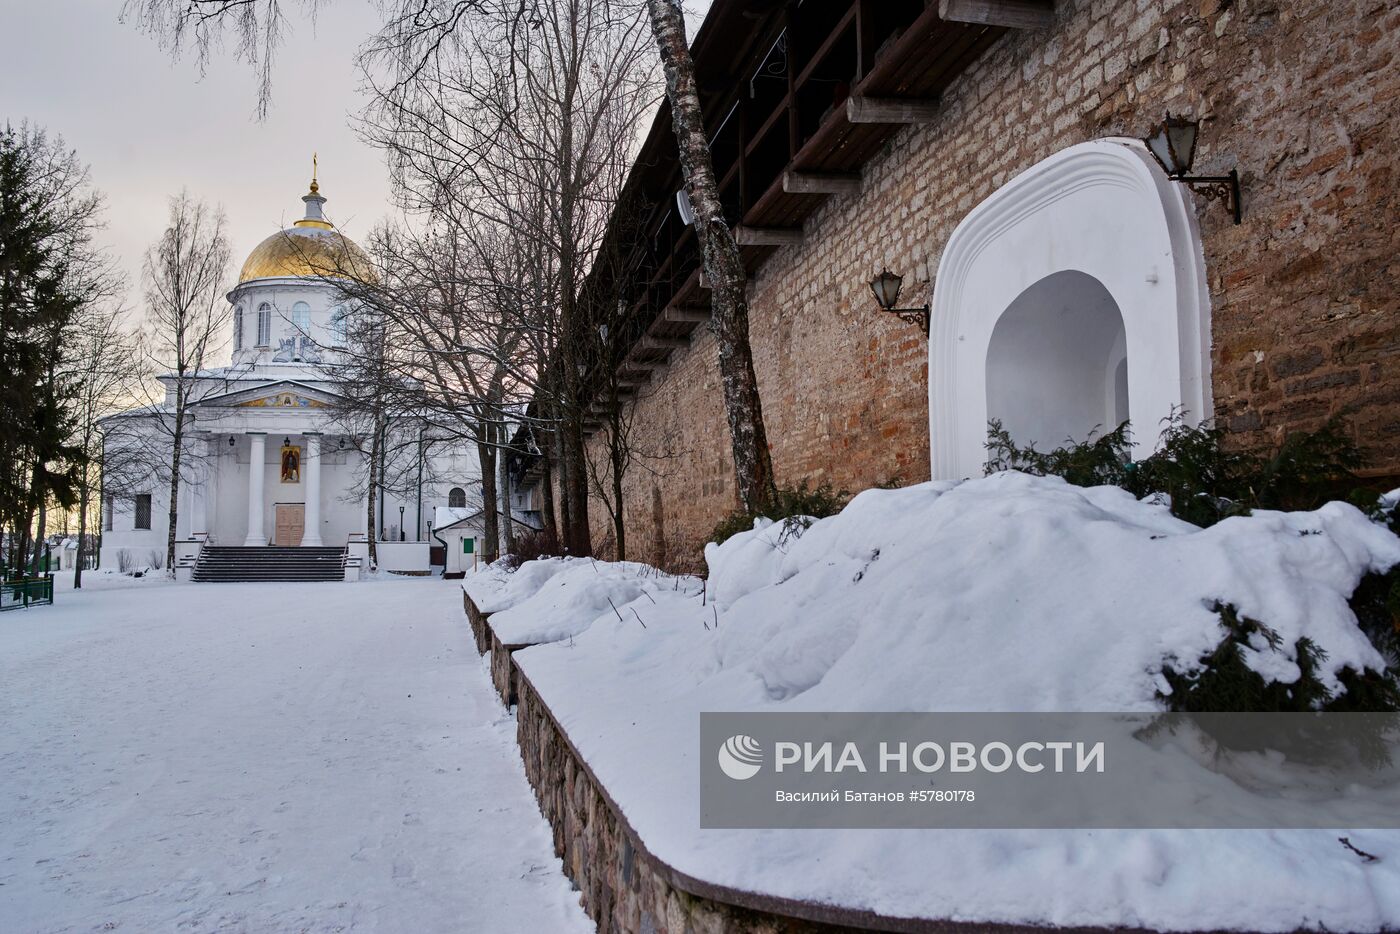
291 521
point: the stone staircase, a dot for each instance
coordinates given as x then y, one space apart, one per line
269 563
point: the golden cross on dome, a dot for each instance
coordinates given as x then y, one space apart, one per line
314 168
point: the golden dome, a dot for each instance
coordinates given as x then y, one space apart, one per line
307 251
310 248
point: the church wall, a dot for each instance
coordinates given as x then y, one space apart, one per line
1301 96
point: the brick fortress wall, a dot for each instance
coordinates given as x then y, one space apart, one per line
1303 96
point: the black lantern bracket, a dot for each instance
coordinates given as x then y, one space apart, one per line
886 287
1173 144
1222 188
919 316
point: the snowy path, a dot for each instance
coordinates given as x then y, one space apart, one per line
264 757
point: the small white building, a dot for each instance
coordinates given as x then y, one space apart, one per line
267 463
461 532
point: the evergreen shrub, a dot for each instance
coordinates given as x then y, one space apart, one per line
796 507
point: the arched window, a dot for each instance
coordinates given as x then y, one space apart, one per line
457 497
340 326
238 328
301 319
264 324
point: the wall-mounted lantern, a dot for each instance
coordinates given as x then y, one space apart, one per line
1173 144
886 288
232 441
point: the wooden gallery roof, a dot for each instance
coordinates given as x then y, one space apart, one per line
796 97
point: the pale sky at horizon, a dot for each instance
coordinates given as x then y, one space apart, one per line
148 125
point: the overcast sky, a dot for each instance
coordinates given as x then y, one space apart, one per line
149 126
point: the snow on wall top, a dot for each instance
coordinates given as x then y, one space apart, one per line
1004 593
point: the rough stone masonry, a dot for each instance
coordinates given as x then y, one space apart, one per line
1301 95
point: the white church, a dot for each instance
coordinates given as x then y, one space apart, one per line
273 488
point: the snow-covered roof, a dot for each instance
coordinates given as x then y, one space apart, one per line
444 517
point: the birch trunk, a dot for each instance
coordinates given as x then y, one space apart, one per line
724 267
177 450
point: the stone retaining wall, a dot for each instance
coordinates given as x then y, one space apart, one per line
480 631
503 673
622 886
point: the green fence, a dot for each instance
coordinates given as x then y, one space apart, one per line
17 594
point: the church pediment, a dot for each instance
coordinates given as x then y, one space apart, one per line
283 400
281 395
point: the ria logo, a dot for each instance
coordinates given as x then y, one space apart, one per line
740 757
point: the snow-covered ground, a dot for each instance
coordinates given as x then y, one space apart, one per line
1006 593
263 757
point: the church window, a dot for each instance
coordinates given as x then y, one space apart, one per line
457 497
143 510
301 318
264 324
339 325
238 328
109 508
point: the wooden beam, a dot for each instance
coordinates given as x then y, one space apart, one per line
768 236
685 314
862 109
821 183
648 342
632 365
1014 14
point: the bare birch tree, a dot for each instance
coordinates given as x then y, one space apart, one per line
724 267
184 275
522 118
106 367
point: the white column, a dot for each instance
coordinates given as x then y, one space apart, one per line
257 467
311 464
199 517
211 484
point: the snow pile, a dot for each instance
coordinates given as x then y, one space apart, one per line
498 586
569 599
1025 593
1004 593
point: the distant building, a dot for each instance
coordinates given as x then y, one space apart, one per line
267 463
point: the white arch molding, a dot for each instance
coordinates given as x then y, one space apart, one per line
1104 209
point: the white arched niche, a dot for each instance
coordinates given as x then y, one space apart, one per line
1071 299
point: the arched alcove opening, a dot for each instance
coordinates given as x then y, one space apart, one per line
1057 362
1073 297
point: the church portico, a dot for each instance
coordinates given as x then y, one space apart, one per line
259 476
